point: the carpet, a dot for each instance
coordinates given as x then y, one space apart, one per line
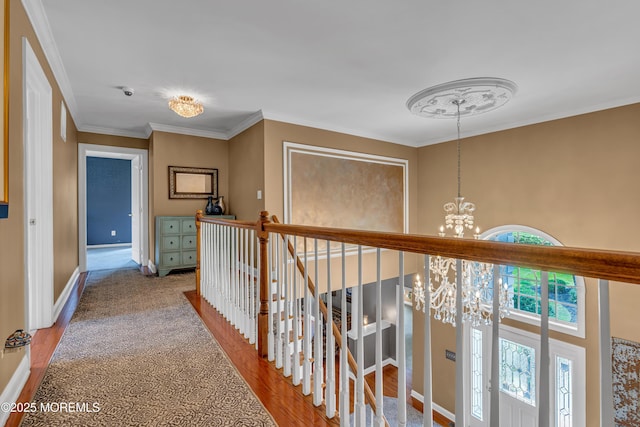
136 354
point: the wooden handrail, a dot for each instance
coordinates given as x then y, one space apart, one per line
609 265
370 397
232 222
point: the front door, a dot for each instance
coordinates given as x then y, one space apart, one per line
519 358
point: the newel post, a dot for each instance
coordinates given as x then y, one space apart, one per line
263 316
198 242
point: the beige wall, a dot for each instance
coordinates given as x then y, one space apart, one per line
112 140
65 203
278 132
169 149
575 179
246 173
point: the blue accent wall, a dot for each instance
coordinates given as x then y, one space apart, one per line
108 200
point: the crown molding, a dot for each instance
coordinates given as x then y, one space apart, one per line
40 23
278 117
245 124
187 131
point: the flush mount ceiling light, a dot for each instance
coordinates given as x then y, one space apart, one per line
186 106
475 96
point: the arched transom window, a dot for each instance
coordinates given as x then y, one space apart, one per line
566 292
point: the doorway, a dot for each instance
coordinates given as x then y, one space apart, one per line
139 198
519 377
38 171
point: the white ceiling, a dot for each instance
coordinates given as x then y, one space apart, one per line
348 66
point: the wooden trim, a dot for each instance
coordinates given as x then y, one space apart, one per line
263 315
44 343
230 222
198 246
611 265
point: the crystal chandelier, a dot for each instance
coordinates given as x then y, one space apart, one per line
186 106
477 283
459 213
477 292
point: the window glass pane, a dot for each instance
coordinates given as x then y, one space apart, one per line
564 407
526 282
476 373
518 371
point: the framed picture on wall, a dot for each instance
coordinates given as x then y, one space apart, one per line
192 183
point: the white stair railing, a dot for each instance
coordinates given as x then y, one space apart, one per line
228 277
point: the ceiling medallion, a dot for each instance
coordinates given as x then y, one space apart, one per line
476 96
186 106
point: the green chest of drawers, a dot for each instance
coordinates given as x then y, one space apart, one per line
176 242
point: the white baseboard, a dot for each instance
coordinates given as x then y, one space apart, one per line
152 267
439 409
109 245
12 391
64 296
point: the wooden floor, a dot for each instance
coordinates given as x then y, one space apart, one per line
286 403
43 344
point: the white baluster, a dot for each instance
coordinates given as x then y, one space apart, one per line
245 300
427 409
330 393
543 395
205 260
606 377
344 366
287 309
360 409
271 342
306 344
296 317
494 412
460 348
252 288
235 320
379 416
255 289
241 295
216 269
226 272
402 359
280 309
318 369
223 270
208 258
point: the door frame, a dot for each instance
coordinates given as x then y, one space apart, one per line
38 188
559 348
139 196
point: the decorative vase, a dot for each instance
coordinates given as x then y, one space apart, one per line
208 210
220 204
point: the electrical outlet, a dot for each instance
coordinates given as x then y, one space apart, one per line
113 232
451 355
259 194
